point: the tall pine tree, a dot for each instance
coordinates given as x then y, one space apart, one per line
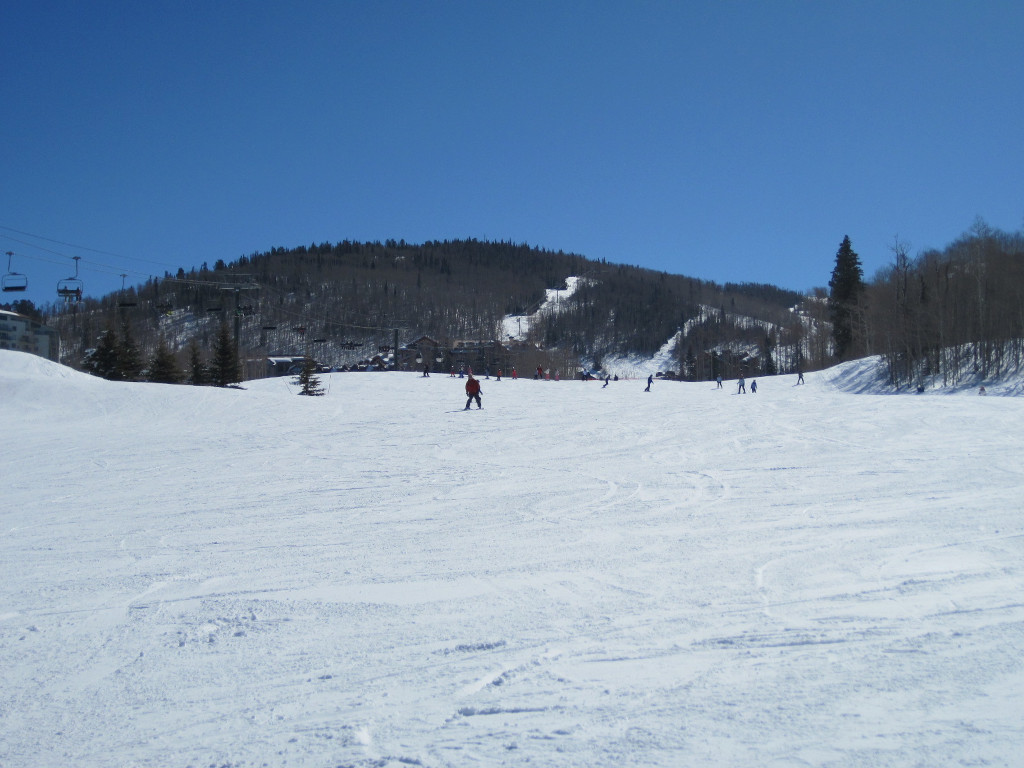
225 368
163 367
129 359
199 372
103 359
846 296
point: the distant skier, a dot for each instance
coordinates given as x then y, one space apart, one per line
799 377
742 388
472 392
650 380
606 380
426 371
753 387
719 380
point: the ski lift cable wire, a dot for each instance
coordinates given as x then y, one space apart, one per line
96 266
92 266
119 271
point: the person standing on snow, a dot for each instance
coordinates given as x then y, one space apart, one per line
472 391
753 387
719 380
742 386
650 380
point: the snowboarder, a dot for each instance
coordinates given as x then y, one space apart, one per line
742 386
650 380
606 380
472 391
799 377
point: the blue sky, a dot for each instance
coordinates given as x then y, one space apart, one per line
731 141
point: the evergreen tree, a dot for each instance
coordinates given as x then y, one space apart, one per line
102 361
129 360
690 365
163 367
225 368
308 379
846 292
199 373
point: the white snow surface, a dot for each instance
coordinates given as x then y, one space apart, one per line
518 326
637 366
576 575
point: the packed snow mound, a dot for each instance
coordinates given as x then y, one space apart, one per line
22 365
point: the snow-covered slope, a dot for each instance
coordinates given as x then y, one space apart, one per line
518 326
574 576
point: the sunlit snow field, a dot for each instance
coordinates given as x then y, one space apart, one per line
573 576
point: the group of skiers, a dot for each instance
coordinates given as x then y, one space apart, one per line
473 384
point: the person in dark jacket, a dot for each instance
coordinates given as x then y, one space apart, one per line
472 391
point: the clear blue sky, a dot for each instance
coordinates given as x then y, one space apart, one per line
731 141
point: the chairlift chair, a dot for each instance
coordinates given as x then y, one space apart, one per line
125 300
70 288
13 281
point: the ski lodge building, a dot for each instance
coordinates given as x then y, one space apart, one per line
24 334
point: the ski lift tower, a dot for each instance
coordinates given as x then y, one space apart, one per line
248 285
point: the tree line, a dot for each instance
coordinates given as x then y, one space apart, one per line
949 313
941 312
342 301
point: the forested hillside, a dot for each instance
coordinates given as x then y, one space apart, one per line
344 302
941 313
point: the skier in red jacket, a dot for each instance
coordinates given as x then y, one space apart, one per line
473 391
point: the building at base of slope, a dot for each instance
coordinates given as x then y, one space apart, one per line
24 334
